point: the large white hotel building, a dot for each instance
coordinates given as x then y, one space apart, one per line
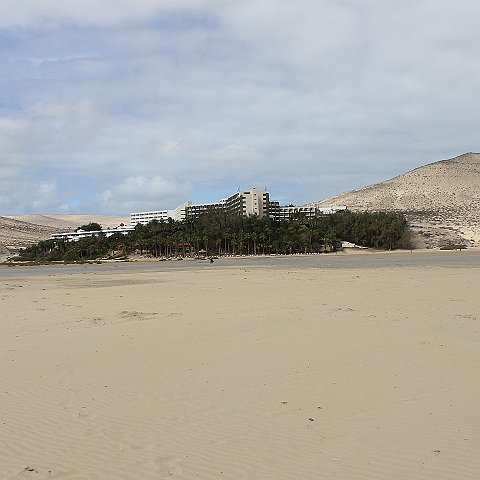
245 203
252 202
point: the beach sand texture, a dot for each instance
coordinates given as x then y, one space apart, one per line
241 373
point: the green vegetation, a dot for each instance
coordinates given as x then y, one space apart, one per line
90 227
220 233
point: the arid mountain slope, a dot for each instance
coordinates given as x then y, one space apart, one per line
67 221
15 233
22 230
442 194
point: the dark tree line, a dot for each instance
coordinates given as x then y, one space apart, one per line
220 233
90 227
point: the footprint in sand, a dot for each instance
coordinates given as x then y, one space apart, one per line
168 466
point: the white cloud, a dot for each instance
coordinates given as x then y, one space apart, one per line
50 14
137 193
11 160
31 196
11 126
46 198
82 109
310 97
203 163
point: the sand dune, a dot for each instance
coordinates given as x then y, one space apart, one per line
241 373
442 194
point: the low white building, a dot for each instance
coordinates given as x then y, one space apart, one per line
75 236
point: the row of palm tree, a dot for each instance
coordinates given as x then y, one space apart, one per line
222 233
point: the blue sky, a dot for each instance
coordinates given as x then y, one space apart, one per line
113 106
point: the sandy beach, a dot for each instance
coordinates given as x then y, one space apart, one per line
241 372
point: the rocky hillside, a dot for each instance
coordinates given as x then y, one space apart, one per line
71 221
22 230
441 199
15 233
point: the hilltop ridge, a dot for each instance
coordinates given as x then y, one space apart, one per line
444 194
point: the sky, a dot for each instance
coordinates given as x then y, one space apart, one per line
115 106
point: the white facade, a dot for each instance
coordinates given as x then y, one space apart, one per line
251 202
285 212
74 236
146 217
256 202
333 209
196 209
178 214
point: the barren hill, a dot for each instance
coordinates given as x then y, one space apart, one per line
66 221
22 230
444 194
15 233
